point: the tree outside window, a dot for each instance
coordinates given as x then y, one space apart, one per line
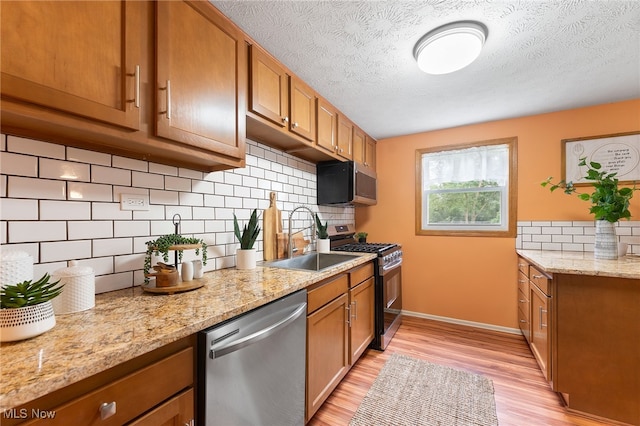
467 189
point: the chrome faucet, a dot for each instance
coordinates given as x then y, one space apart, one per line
313 227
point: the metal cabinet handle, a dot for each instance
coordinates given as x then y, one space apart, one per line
537 277
523 321
522 281
107 410
523 301
348 309
294 125
167 111
136 78
541 311
285 120
354 315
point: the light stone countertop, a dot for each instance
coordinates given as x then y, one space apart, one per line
579 263
128 323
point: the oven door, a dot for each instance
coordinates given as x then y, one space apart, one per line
388 305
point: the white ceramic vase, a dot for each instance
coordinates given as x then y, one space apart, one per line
606 241
246 259
186 271
324 245
24 323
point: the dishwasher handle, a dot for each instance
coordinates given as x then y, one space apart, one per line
258 335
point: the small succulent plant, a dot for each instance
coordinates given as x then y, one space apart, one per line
29 293
249 232
321 230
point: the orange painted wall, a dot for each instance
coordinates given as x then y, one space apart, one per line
474 278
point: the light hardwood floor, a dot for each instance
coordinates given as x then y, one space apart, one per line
523 397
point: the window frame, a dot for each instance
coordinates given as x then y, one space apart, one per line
510 232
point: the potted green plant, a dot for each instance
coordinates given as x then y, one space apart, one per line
323 244
161 247
246 254
361 237
609 204
26 310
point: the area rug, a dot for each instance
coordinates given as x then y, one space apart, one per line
413 392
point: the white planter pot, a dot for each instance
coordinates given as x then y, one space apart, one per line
246 259
24 323
324 245
606 241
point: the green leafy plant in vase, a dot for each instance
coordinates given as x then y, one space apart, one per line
161 247
361 237
609 204
26 310
245 256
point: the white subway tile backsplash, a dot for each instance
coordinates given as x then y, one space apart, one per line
34 147
19 164
101 174
61 219
23 187
18 209
65 250
89 191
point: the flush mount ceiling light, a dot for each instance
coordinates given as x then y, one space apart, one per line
450 47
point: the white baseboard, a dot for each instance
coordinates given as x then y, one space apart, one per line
464 322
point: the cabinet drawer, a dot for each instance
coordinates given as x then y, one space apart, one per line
539 279
523 303
133 394
523 266
523 283
326 292
361 274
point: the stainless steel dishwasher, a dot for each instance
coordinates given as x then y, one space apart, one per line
252 367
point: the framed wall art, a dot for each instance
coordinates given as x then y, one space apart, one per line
619 153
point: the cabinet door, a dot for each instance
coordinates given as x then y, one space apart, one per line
269 88
177 411
358 145
79 57
327 351
345 137
201 78
370 152
524 307
303 109
540 329
361 310
327 127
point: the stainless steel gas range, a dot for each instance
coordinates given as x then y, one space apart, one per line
388 280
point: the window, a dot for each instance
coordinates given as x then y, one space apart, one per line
467 189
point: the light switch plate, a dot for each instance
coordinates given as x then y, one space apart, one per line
134 202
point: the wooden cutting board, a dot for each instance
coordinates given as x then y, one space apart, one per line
298 242
271 227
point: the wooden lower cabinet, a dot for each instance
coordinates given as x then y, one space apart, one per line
327 351
540 331
153 389
340 327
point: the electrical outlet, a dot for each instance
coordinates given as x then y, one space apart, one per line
134 202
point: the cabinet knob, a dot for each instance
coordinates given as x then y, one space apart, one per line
285 120
294 125
107 410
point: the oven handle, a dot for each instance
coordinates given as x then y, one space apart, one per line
390 266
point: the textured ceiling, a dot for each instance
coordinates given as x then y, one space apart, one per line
540 56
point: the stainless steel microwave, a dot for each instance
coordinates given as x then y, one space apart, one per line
344 183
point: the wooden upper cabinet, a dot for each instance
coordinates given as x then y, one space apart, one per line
303 109
370 152
364 148
268 88
327 126
81 58
201 77
345 137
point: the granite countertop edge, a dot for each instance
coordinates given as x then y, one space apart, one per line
583 263
86 343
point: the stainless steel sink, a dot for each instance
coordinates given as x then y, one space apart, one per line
311 261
